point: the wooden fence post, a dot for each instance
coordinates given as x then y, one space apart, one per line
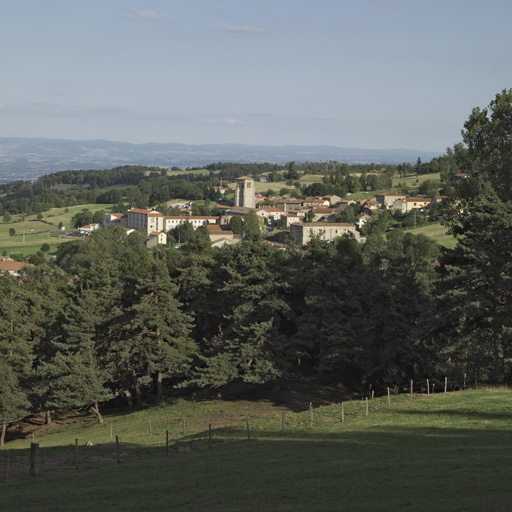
389 398
366 406
311 413
111 433
34 459
8 464
342 412
149 428
428 388
411 387
445 384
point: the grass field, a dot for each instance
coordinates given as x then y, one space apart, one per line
443 452
436 231
276 186
31 233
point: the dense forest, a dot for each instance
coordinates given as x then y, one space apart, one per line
110 320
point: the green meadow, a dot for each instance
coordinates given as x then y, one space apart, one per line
437 452
32 233
436 231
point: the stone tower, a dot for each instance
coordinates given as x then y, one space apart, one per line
244 192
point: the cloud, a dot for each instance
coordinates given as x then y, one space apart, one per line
245 29
169 16
141 15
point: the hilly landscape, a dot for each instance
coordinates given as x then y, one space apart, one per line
27 158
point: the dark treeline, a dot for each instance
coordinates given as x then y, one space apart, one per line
232 170
131 184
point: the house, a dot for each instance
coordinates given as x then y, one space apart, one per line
220 232
12 267
322 213
171 222
333 199
387 199
88 229
147 220
315 202
411 203
361 219
270 213
328 231
156 238
112 218
287 205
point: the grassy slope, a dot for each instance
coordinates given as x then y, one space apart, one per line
443 452
437 231
36 232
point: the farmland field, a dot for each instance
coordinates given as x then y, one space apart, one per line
31 233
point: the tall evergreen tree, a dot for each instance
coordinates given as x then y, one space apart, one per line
155 343
16 352
475 289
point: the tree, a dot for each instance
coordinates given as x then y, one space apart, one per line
16 352
252 231
7 217
476 283
488 135
236 225
75 374
156 342
12 232
82 218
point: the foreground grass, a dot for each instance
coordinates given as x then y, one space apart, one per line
443 452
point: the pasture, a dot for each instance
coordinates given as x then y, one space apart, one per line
32 233
438 452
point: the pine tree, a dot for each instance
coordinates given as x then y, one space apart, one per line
16 352
475 289
155 343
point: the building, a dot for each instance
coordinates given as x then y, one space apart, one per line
88 229
196 220
387 199
328 231
11 266
411 203
244 192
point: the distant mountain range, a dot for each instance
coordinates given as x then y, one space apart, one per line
24 158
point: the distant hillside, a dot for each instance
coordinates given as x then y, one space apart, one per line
22 158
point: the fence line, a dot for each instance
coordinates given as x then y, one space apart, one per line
22 464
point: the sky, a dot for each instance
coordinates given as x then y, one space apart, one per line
373 74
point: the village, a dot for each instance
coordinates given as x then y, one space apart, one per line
302 218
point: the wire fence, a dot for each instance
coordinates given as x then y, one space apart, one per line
117 442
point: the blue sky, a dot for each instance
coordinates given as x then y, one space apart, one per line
352 73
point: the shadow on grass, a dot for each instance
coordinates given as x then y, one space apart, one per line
467 414
407 469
